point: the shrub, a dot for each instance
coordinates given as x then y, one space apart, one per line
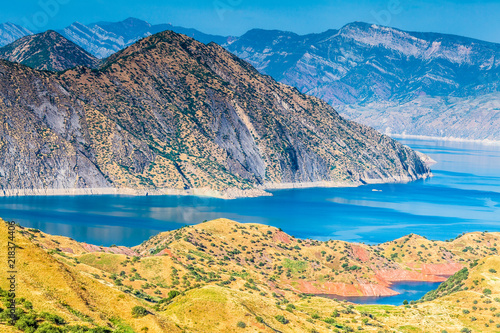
52 318
139 311
28 305
27 323
259 319
487 291
241 324
173 294
281 319
48 328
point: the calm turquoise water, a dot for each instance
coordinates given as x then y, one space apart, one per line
463 196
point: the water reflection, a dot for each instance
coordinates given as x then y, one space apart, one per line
463 196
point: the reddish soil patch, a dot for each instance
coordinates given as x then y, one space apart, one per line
116 250
280 236
446 270
165 252
361 253
120 250
91 248
67 250
399 275
345 290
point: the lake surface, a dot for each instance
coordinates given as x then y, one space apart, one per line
463 196
409 291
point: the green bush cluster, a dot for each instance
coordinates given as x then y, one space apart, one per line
453 284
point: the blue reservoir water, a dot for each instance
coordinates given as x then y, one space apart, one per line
409 291
463 196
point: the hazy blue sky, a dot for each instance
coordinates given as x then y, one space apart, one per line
473 18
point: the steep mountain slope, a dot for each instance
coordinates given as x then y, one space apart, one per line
369 65
172 113
48 51
105 38
214 276
10 32
474 118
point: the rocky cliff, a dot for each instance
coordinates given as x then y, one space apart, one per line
172 113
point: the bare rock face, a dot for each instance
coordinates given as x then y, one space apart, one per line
171 113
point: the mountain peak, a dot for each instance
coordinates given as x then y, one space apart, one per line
48 50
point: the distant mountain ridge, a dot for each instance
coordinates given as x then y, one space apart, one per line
10 32
362 63
367 72
48 51
368 67
102 39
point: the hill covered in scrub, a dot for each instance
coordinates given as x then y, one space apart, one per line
169 115
223 276
47 51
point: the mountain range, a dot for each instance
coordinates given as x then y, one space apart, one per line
172 114
396 81
371 73
102 39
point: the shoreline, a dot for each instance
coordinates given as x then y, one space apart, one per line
228 194
443 138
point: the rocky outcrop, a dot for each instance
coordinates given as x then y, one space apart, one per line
172 114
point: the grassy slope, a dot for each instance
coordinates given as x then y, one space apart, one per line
221 287
48 282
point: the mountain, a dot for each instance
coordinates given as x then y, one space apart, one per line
10 32
366 65
224 276
172 114
48 51
105 38
475 118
